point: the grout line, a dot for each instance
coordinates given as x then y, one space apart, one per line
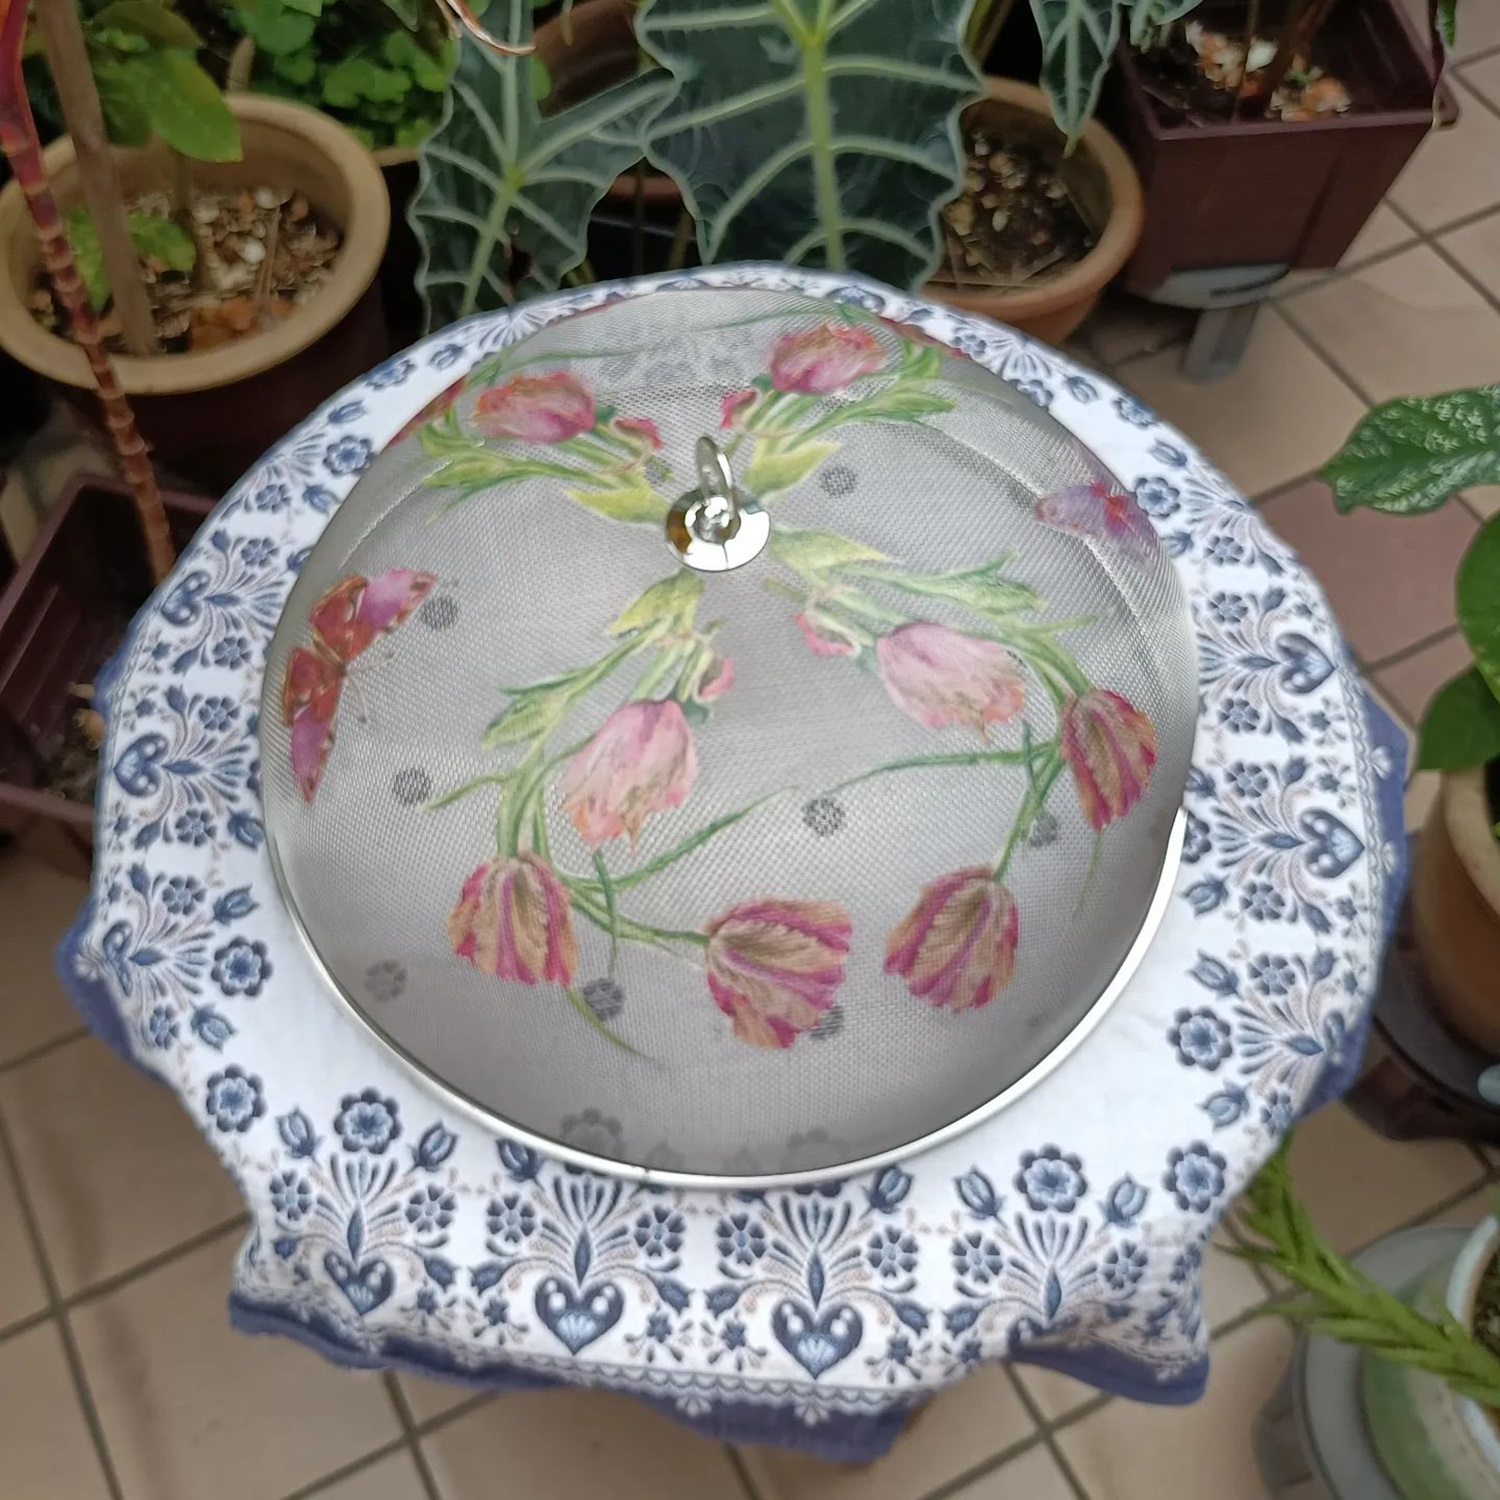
986 1466
742 1472
1284 487
43 1049
463 1409
409 1431
64 1329
24 1325
1054 1450
1478 1156
1320 353
336 1476
1407 651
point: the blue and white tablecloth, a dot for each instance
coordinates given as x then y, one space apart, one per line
1068 1231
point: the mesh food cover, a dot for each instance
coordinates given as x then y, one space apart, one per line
737 809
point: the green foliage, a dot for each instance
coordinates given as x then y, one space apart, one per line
1344 1304
810 132
155 237
1408 457
142 53
1078 41
379 68
499 182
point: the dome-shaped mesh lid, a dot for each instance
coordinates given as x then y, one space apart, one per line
736 874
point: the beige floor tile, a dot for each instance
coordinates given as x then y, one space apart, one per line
46 1452
1385 230
393 1478
583 1443
108 1197
21 1290
955 1432
1485 498
1471 1211
1476 247
1456 171
431 1398
1133 1452
1055 1395
1421 793
1478 30
1484 76
190 1408
36 907
1412 681
1124 326
1357 1185
1291 392
1033 1476
1406 326
1388 578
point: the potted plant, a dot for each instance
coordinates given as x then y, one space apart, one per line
1265 132
234 342
787 136
1407 457
1430 1379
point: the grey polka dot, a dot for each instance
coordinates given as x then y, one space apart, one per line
1043 830
385 980
411 785
838 479
824 816
438 612
604 997
831 1024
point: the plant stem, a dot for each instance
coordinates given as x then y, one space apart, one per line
18 138
638 223
681 239
98 173
1252 29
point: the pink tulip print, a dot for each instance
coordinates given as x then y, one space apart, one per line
822 360
1110 746
956 949
940 676
536 408
514 920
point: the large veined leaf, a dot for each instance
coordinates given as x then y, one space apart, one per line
1078 41
1148 16
1411 455
497 179
818 132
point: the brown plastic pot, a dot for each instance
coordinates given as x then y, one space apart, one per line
1455 903
1268 192
586 51
61 618
1104 186
209 416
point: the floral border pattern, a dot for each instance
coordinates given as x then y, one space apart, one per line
385 1233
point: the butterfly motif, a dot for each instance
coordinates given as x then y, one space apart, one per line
1099 509
353 614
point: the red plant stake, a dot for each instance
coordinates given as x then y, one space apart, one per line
23 149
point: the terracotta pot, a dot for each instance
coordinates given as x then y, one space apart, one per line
587 51
209 416
1455 901
1107 191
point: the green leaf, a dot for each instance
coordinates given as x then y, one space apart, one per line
409 12
1146 16
631 499
296 67
779 463
1479 600
1078 41
126 120
532 713
185 106
149 20
671 600
1409 456
353 79
402 50
981 589
497 178
307 7
154 236
815 554
274 27
812 132
1447 22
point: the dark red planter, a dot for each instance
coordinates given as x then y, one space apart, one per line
61 618
1249 193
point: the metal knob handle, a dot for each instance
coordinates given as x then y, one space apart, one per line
716 527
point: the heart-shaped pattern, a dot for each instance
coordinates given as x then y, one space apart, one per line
817 1342
136 769
577 1319
366 1285
1331 845
1305 664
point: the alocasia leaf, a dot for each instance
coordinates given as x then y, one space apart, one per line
1078 41
818 132
1146 16
1479 601
1411 455
497 179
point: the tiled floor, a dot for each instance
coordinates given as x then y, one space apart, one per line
119 1376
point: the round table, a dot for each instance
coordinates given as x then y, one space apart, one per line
1067 1232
